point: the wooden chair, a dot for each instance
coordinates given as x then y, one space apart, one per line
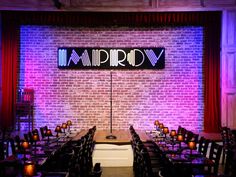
24 108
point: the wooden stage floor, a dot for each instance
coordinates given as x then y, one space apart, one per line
122 136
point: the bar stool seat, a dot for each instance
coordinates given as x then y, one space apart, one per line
24 108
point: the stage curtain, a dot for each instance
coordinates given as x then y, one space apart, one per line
209 20
9 74
212 111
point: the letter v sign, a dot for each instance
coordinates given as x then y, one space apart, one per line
152 56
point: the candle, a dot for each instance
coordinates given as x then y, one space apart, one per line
64 125
191 145
58 129
165 130
161 125
29 168
69 123
35 137
25 144
48 132
173 133
156 122
180 137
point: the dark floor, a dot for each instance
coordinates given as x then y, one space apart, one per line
128 171
117 172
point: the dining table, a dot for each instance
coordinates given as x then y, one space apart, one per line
179 159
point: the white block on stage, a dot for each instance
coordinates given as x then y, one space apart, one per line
113 155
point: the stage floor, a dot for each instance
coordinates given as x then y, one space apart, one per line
114 152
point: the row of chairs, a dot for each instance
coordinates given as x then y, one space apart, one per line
75 157
213 151
164 168
147 160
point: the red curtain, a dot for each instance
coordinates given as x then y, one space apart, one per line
9 73
212 113
211 21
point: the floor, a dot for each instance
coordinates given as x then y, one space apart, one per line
117 172
128 171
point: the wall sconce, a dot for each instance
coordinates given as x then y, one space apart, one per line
29 169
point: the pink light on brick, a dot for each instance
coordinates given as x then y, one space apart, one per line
173 95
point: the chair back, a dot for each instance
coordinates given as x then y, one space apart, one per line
225 135
188 136
18 143
1 150
9 147
215 153
203 145
43 131
26 95
230 164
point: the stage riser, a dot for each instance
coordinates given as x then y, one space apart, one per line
111 155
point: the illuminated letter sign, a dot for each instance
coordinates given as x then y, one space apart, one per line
111 58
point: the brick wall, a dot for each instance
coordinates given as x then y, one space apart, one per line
173 95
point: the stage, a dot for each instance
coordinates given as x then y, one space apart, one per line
114 152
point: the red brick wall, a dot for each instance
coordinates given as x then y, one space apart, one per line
173 95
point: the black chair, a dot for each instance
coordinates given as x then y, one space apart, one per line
225 134
212 167
147 161
43 132
97 171
215 153
10 167
9 147
188 136
182 131
203 146
2 150
230 164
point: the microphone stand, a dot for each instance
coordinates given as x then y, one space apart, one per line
111 136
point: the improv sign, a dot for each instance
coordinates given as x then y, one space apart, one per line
111 58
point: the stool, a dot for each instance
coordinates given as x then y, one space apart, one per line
24 107
24 113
